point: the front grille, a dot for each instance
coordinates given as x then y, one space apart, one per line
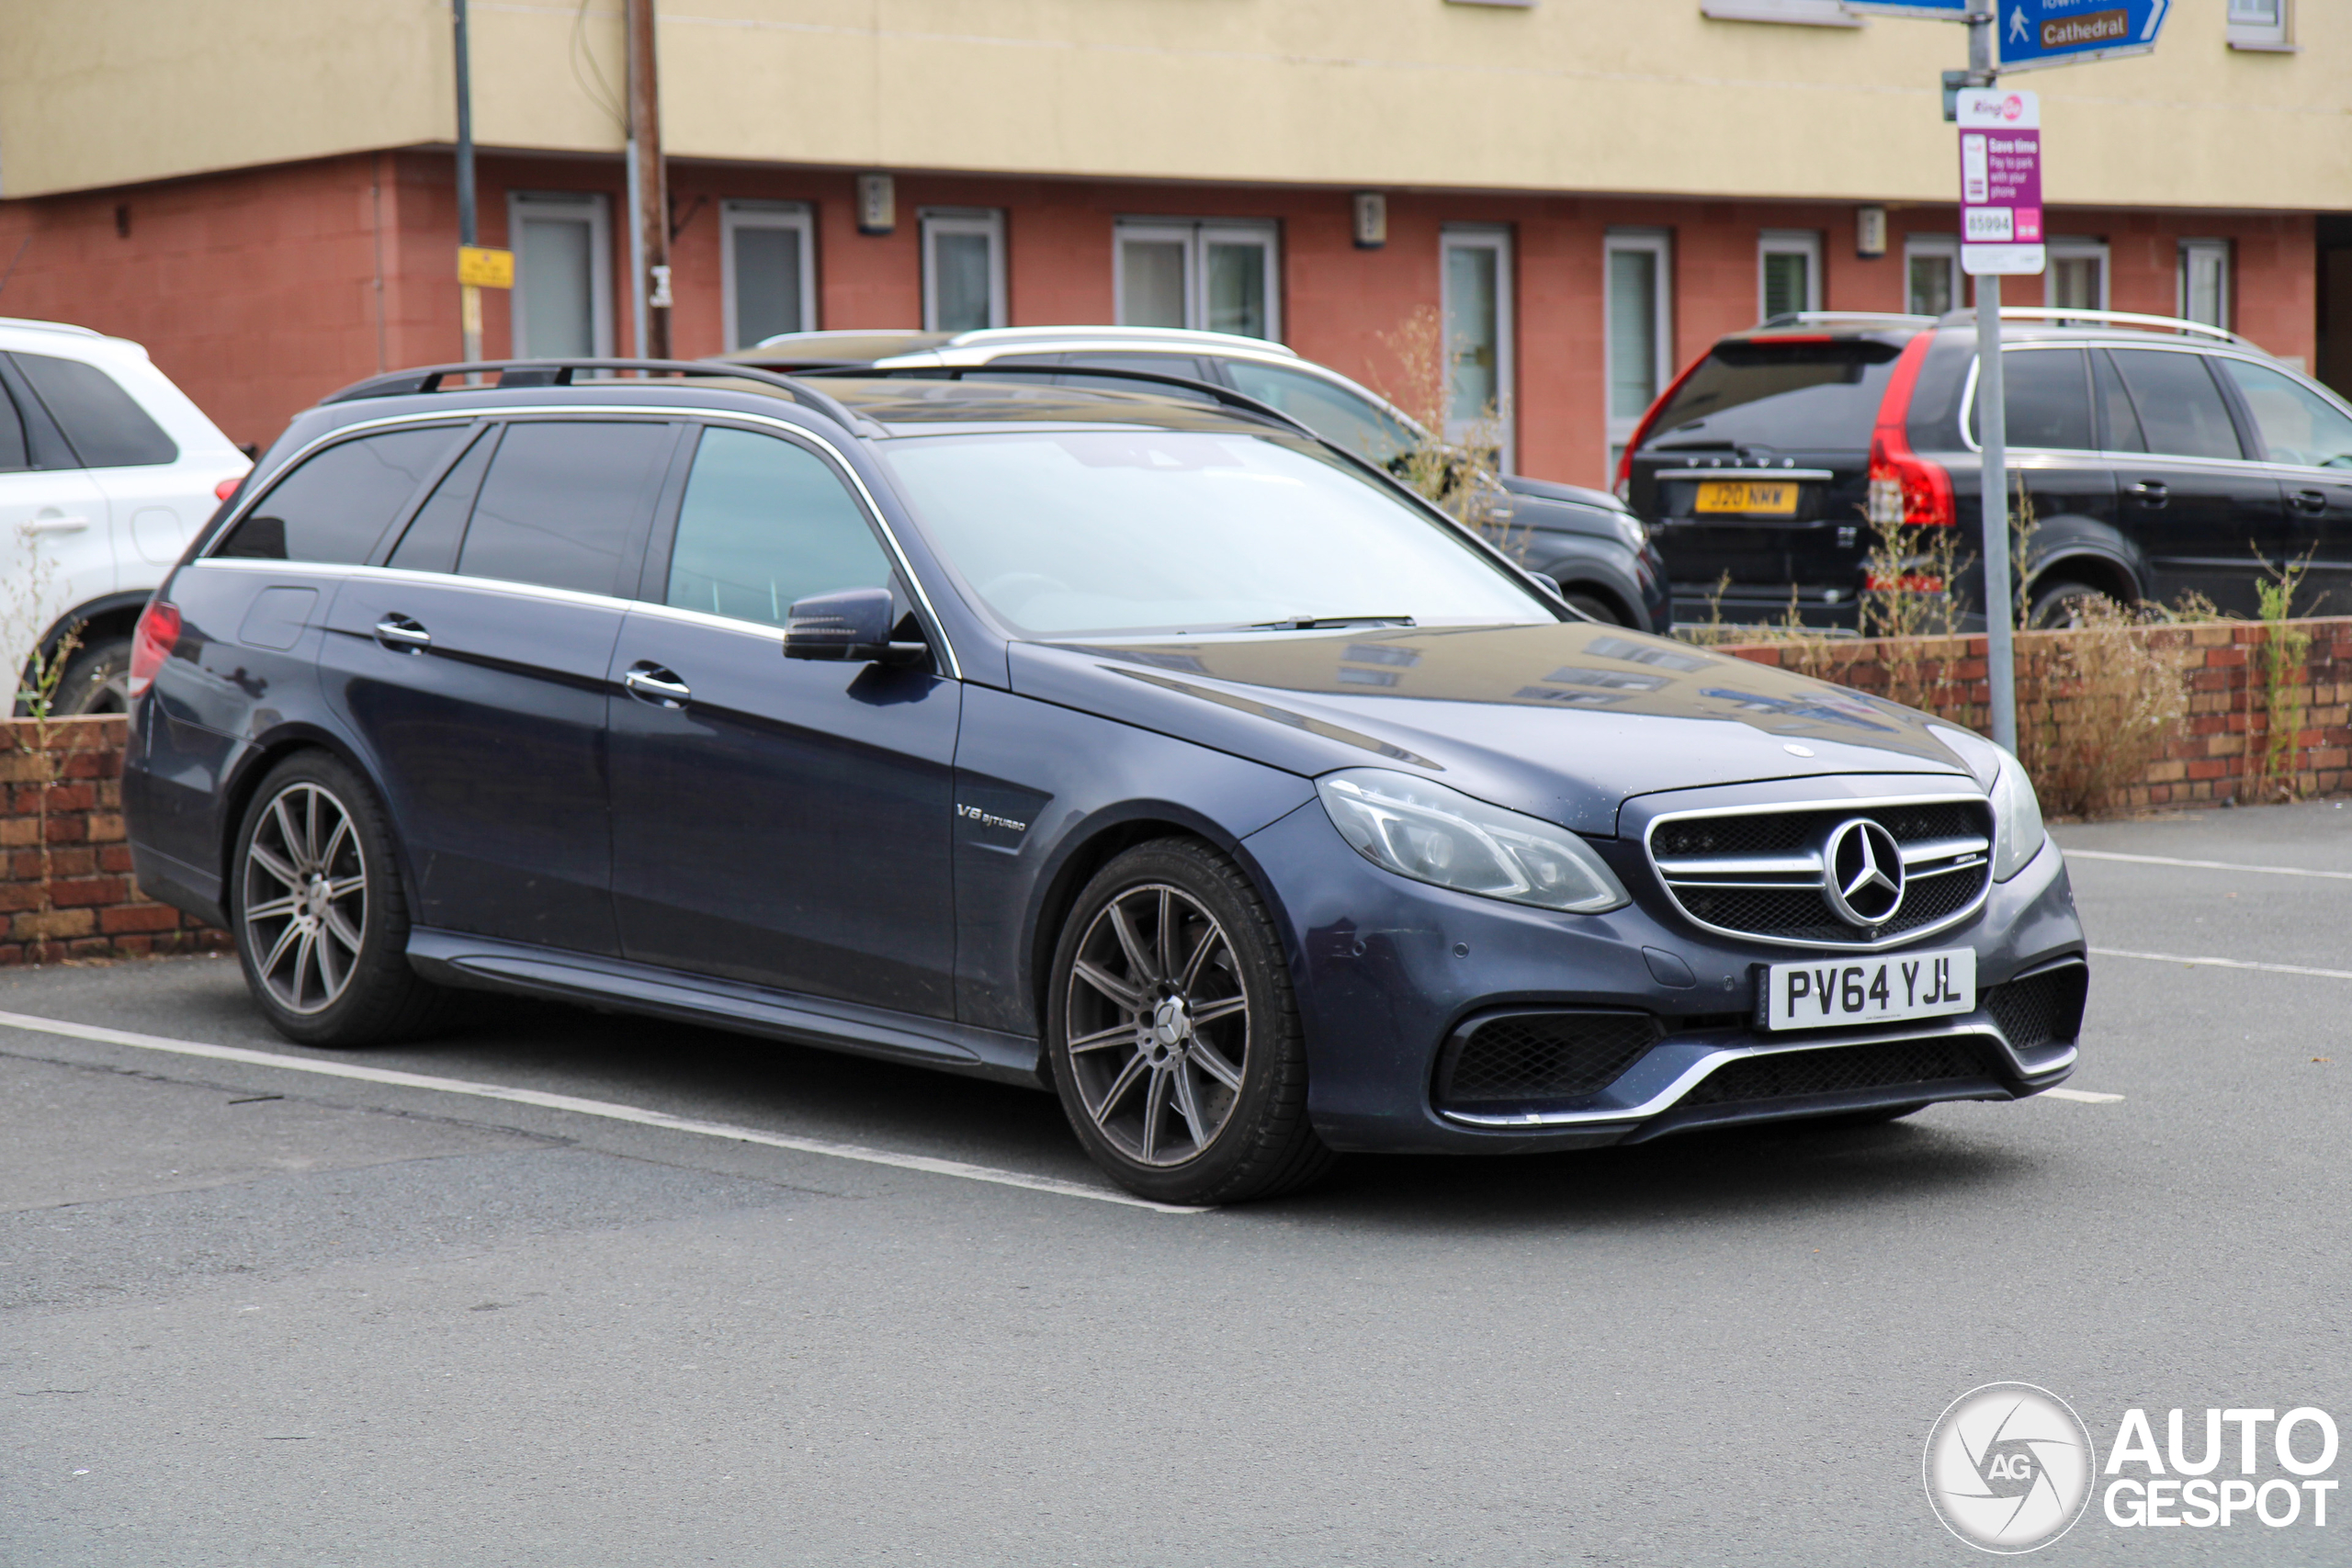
1760 872
1792 1075
2041 1009
1530 1056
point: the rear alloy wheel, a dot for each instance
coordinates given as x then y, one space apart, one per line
2058 605
318 912
1173 1033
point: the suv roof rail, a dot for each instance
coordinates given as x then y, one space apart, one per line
1172 337
2062 314
28 321
1225 395
523 373
1815 317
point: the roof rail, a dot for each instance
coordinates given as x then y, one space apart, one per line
514 373
1224 395
1168 337
1813 318
2062 313
49 326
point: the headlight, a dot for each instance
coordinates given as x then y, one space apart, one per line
2017 834
1440 836
1631 530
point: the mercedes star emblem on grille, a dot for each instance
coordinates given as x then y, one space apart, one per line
1861 872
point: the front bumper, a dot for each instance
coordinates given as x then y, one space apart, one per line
1386 969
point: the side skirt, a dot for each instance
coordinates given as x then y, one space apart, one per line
477 963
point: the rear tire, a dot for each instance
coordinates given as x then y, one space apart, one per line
2057 605
319 913
96 680
1174 1035
1592 605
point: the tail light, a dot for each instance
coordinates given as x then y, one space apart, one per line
159 629
227 487
1642 431
1904 487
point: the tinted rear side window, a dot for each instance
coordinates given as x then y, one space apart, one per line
2181 412
1820 394
430 543
14 458
105 424
336 506
2048 395
560 501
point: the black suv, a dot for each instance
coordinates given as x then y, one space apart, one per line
2159 457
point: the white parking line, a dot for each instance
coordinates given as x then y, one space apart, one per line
2225 964
606 1109
2086 1096
2209 865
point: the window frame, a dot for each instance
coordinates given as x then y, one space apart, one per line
597 206
1805 243
1937 247
2273 37
2065 247
796 216
2189 251
1795 12
986 221
1500 239
1196 235
1659 245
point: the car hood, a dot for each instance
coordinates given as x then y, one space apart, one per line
1562 721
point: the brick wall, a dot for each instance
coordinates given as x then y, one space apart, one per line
66 891
2212 757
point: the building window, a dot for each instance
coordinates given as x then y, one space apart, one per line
1212 276
2205 281
2077 277
1474 275
768 277
1808 13
1640 309
1931 283
1787 264
963 269
563 289
2262 24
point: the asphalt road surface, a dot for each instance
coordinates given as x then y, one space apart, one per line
252 1315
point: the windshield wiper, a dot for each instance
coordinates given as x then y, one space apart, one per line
1328 623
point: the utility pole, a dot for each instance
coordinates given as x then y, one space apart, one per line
1992 422
649 188
469 294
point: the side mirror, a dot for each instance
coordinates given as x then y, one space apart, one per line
1549 583
851 627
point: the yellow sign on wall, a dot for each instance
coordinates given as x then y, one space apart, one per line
485 268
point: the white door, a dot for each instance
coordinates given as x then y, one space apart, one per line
56 546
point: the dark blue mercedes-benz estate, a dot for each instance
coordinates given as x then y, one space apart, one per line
1155 750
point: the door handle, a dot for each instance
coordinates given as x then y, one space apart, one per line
56 524
400 633
2312 500
652 684
2151 493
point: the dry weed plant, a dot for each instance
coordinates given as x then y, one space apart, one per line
2274 766
27 608
2107 700
1461 477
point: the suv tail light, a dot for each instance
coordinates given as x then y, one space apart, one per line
1642 431
227 487
1904 487
159 629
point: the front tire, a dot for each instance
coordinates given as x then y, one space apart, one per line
319 913
1174 1035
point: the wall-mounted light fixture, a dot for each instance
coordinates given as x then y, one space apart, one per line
1869 232
878 204
1372 220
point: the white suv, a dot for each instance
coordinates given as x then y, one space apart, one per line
106 470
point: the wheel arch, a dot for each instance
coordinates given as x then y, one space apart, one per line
2081 549
108 617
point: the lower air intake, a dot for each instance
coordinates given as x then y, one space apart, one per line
2041 1009
1517 1058
1793 1074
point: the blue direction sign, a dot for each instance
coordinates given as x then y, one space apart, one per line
2036 33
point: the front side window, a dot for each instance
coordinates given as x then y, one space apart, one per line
2181 413
766 522
2297 424
563 288
1640 313
1210 276
104 423
1370 430
963 270
1063 533
1788 271
561 501
333 507
1477 296
768 278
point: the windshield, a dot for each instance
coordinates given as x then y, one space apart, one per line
1800 395
1103 533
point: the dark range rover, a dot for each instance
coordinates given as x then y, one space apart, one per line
2160 457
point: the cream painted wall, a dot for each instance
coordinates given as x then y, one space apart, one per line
1595 96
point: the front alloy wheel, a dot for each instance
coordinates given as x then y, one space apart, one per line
1173 1033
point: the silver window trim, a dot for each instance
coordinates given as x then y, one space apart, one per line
889 536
